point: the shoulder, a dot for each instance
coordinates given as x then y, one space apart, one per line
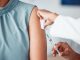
24 5
34 19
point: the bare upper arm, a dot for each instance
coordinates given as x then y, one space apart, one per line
38 47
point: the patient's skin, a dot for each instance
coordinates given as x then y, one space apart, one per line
65 50
3 2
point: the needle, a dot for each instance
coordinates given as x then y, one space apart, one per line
42 22
50 39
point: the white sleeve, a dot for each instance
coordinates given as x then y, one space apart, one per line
67 27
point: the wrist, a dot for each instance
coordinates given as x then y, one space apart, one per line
75 56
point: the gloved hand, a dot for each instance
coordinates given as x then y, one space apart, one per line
50 16
65 51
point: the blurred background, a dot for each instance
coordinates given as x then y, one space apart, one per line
56 6
63 7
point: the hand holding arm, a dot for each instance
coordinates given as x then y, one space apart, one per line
47 14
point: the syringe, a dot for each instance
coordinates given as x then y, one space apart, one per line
42 23
51 41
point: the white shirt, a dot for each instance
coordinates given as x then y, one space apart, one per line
66 29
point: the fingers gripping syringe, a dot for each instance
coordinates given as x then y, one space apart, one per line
42 23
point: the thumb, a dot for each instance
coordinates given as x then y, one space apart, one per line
48 22
39 15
